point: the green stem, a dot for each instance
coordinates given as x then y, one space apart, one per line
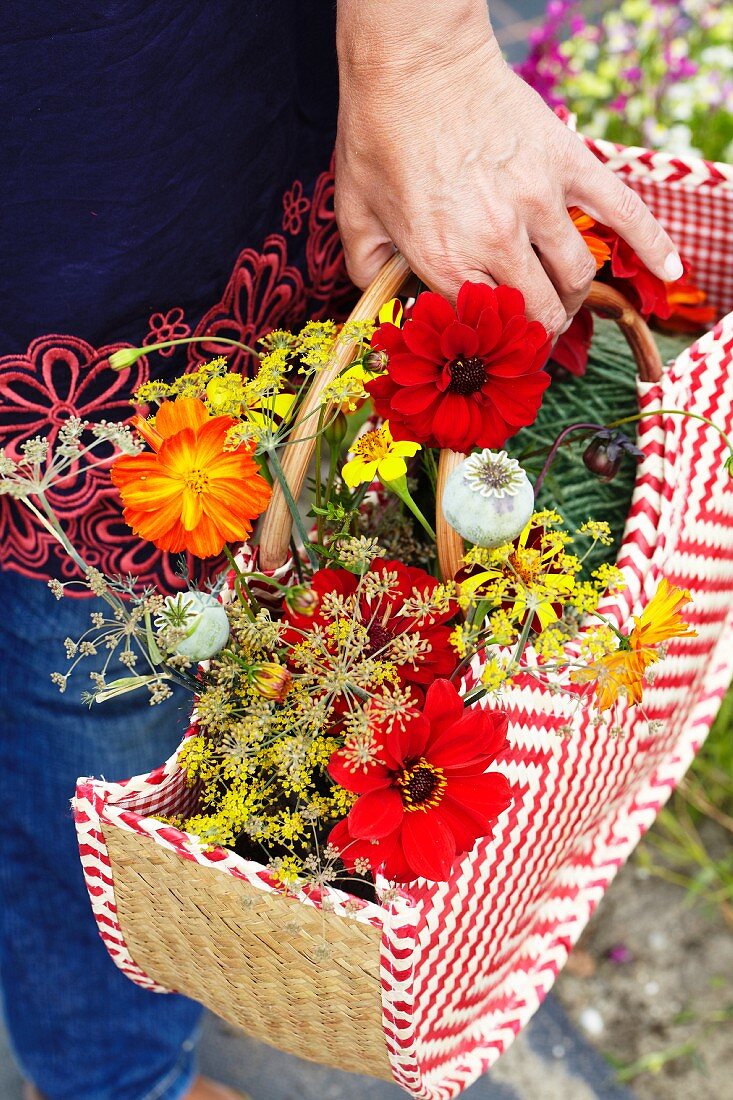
200 340
292 505
430 467
318 463
246 598
674 412
522 641
399 488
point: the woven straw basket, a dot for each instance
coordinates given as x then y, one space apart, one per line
430 988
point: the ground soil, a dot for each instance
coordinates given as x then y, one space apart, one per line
651 985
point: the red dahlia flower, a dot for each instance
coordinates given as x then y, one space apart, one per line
426 798
385 619
465 377
636 281
571 350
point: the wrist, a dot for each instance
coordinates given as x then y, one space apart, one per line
428 36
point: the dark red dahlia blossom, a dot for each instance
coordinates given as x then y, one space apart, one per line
427 797
385 619
465 377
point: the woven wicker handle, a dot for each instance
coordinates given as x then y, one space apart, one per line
277 524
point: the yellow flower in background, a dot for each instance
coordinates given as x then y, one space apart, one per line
376 454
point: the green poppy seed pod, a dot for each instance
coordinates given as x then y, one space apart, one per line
204 620
488 499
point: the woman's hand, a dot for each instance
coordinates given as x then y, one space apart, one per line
446 154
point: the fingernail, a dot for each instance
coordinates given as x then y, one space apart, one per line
673 268
566 326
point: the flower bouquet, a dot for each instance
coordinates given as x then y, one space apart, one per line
431 714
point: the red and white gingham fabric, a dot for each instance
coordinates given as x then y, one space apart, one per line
693 200
466 963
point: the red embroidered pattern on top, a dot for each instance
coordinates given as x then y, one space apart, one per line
62 376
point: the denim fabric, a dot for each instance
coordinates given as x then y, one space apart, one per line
80 1029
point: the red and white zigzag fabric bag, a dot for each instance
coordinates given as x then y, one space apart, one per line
461 966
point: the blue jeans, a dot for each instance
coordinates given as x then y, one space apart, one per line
80 1029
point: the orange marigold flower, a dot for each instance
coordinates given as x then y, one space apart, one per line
598 248
189 493
625 668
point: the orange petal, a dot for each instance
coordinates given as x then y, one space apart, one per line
184 412
179 454
192 509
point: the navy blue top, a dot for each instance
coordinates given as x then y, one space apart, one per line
144 143
164 172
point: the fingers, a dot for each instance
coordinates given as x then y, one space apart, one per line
567 261
601 193
367 246
519 266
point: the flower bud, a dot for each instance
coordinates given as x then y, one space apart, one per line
488 499
376 361
335 432
125 357
302 600
203 619
605 451
270 680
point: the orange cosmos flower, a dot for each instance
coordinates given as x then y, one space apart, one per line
625 668
189 493
597 247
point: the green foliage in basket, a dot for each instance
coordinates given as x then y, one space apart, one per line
605 393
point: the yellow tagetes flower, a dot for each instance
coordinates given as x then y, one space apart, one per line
376 454
625 668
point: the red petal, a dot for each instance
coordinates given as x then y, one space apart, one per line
443 705
518 402
423 340
467 825
473 299
433 310
453 424
358 780
388 338
415 399
458 340
407 370
376 813
409 742
510 302
472 738
488 794
428 844
489 331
